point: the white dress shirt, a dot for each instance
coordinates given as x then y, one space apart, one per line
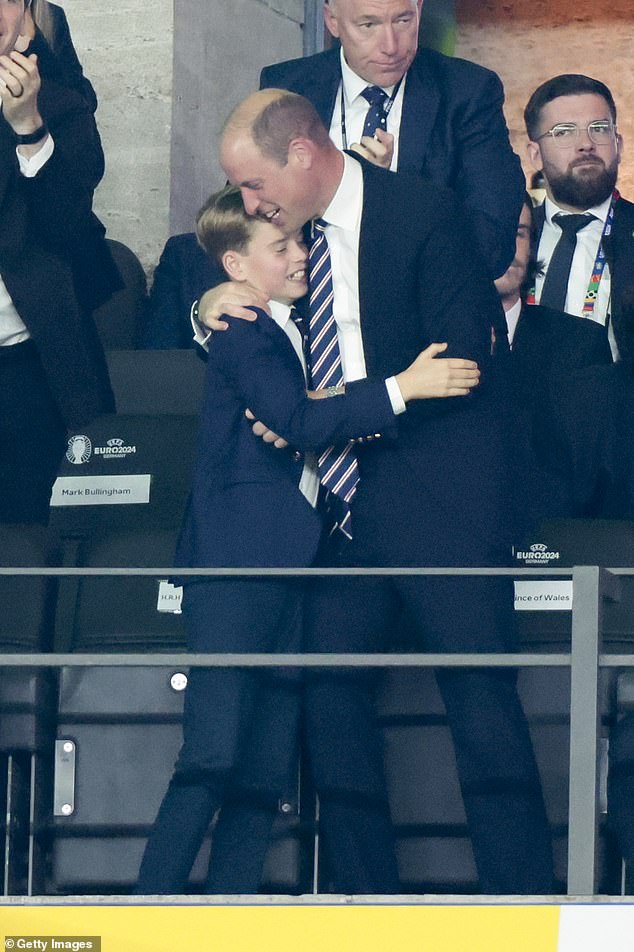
281 314
585 255
512 318
356 108
343 218
12 327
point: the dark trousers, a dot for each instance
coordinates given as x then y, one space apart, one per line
497 770
239 739
32 436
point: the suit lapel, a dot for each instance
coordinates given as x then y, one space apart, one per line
539 217
420 107
321 85
375 274
621 247
621 261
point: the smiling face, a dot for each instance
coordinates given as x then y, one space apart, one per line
379 37
283 195
272 262
584 174
11 21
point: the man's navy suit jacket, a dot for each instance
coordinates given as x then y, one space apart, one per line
245 507
439 494
452 132
619 249
182 276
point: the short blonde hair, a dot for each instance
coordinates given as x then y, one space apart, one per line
222 224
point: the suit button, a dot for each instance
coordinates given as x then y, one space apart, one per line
297 456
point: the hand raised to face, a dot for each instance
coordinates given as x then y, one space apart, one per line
19 89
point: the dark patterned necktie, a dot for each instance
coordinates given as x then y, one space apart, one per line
376 117
555 287
338 467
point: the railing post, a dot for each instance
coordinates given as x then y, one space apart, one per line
583 812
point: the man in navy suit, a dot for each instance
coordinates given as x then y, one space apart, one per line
252 505
437 496
444 115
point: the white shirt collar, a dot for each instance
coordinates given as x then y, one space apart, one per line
280 313
345 208
353 84
599 211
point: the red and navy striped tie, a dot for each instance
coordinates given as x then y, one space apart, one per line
338 467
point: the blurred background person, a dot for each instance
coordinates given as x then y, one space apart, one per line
50 20
55 268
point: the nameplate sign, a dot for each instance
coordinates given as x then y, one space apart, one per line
552 595
169 597
100 490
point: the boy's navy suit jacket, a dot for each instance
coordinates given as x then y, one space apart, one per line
245 508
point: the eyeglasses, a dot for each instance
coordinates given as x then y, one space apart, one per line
565 134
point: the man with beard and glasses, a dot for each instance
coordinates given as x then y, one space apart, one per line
585 260
585 246
571 124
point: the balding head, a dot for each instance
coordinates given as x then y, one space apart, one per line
379 37
273 118
275 148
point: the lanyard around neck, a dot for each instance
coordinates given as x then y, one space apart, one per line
598 268
386 109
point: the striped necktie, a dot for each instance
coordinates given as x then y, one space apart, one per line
338 467
375 117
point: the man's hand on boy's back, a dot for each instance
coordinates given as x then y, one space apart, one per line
232 299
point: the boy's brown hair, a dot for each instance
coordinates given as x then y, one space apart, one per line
223 225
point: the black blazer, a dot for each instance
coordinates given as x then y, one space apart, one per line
453 133
548 344
551 378
619 249
53 257
61 44
182 275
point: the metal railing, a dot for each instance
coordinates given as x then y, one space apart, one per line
591 585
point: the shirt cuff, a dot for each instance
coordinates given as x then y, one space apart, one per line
202 334
31 166
395 395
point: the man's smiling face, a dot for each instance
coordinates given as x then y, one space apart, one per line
281 194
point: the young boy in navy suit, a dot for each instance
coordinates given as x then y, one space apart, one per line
254 505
